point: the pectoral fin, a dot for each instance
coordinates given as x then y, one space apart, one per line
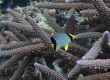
57 48
52 46
66 47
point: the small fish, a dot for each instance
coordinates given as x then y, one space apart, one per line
61 40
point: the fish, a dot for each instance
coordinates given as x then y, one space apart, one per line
61 40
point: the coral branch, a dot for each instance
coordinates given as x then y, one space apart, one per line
49 71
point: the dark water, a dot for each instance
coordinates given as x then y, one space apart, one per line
13 3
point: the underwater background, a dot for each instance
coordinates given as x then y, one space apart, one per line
54 40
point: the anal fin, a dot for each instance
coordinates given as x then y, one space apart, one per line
57 48
66 47
52 46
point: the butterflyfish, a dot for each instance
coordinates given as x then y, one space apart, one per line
61 40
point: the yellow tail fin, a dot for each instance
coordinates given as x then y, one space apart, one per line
73 36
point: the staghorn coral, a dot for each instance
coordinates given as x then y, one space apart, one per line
26 55
102 76
90 55
48 71
89 13
64 5
103 10
96 64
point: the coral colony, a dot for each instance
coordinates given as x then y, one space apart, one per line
25 45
